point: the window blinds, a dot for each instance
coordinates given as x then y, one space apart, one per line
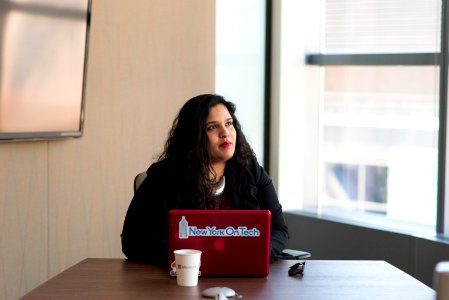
382 26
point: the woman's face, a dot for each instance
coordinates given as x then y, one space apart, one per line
221 134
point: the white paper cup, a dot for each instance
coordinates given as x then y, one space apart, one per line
441 280
187 266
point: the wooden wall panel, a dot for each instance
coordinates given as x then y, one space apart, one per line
23 217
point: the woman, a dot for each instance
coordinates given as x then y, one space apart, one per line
206 164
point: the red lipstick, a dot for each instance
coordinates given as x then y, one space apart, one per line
226 145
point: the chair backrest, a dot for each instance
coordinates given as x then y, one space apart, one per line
138 180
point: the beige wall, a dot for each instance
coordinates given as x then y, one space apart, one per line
62 201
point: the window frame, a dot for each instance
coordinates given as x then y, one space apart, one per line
443 178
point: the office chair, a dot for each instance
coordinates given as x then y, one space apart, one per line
287 254
138 180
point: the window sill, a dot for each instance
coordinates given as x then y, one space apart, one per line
373 221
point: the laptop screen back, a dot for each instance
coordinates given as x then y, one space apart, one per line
233 242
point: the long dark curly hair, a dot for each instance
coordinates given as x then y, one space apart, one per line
186 150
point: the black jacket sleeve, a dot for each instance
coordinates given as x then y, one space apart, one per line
144 235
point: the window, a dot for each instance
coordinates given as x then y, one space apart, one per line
365 109
240 64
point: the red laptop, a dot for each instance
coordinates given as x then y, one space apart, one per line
233 242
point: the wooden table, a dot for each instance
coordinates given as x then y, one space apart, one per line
322 279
